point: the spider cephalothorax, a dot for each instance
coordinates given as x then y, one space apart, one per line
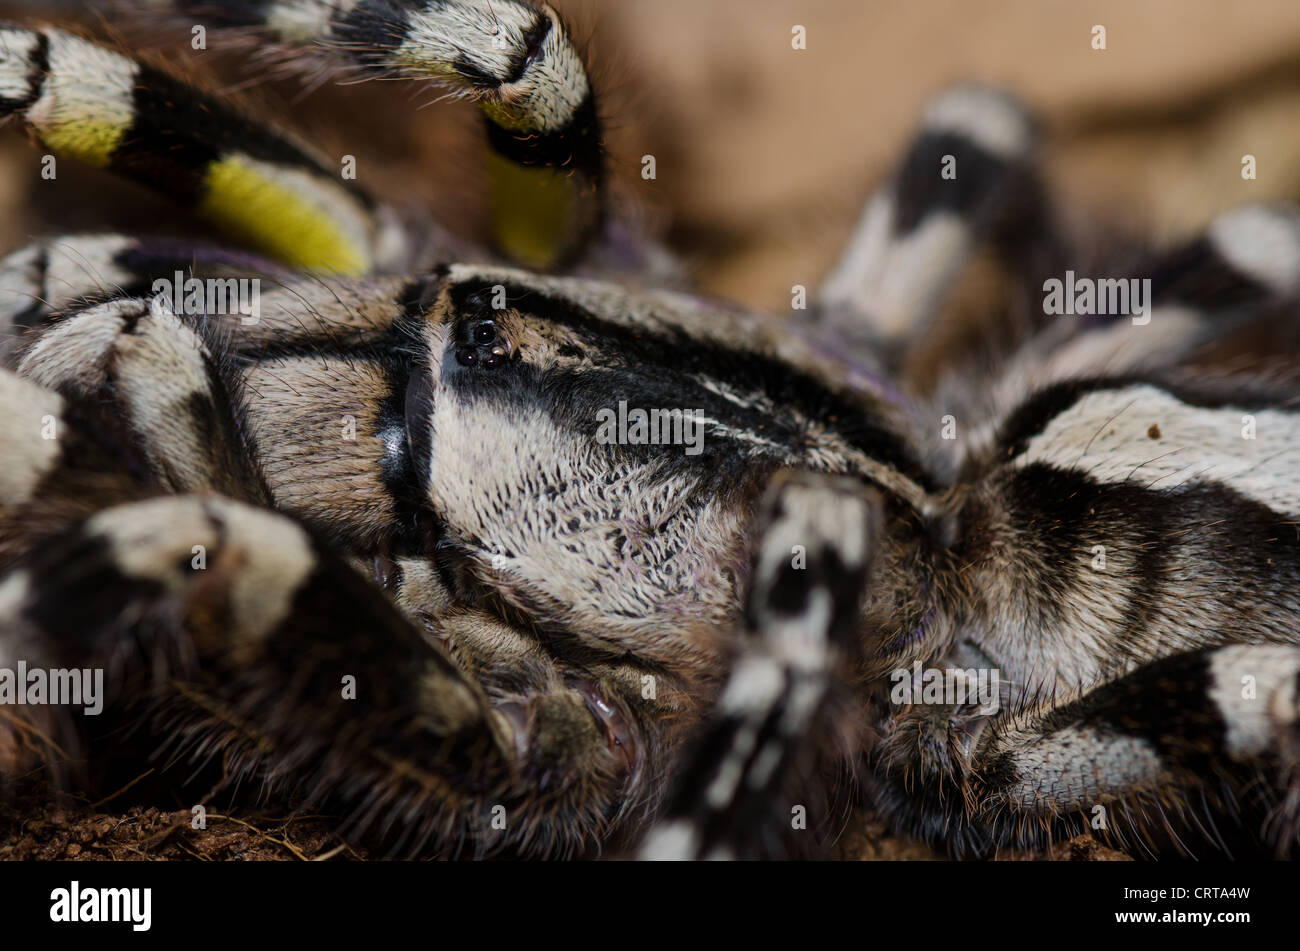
472 551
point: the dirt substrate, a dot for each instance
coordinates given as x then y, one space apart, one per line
34 828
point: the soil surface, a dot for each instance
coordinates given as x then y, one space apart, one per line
37 826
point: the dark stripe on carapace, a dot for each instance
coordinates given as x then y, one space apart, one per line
742 370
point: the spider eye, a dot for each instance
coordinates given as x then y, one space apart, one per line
480 345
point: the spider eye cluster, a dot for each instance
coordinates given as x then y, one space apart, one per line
480 345
479 339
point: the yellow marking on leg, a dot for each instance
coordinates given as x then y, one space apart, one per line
509 116
538 211
86 106
92 141
296 222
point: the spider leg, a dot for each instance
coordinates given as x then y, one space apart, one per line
139 355
968 177
62 462
816 540
516 60
1218 720
84 101
65 272
75 270
1245 264
312 388
202 390
256 645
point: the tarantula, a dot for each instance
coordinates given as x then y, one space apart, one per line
496 560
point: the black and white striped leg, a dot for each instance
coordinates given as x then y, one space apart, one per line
86 102
63 461
78 270
816 541
203 395
139 356
258 648
1244 267
968 177
72 272
1137 760
515 59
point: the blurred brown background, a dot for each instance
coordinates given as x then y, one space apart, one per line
779 146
